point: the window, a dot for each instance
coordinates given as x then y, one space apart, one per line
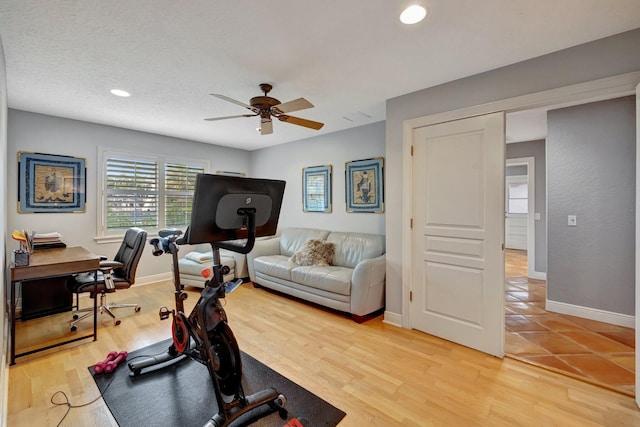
147 192
517 194
179 183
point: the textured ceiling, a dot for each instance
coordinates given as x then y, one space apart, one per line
345 56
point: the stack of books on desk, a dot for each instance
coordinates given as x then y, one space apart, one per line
48 241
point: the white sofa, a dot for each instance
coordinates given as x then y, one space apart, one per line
198 257
354 282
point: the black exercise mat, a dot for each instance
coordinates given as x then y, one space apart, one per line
182 395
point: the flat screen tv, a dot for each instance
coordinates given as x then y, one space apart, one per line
220 204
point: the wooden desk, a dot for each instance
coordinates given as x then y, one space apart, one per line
49 263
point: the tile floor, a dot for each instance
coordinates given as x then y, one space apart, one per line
598 352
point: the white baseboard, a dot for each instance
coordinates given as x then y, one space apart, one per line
394 319
538 275
146 280
592 314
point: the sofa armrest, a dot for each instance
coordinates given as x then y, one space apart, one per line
367 286
262 248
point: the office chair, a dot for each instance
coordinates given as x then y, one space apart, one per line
113 275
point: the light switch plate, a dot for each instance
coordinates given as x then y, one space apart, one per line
572 220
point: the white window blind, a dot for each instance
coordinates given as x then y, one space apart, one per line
132 194
518 195
151 193
179 184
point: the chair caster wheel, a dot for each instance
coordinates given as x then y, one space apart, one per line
75 317
137 309
74 328
117 322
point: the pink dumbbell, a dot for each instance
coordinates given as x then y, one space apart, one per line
99 367
113 364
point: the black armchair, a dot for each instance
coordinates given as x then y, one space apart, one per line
113 275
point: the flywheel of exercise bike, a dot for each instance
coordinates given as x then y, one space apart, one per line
267 108
225 348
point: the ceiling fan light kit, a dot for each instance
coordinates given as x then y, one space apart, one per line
267 107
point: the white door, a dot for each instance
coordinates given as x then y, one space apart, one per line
457 284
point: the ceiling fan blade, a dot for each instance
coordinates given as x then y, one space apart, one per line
226 98
266 127
295 105
213 119
301 122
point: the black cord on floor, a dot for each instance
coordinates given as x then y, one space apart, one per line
68 404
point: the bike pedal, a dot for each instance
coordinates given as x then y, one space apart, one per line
232 286
164 313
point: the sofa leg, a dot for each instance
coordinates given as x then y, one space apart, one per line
256 285
361 319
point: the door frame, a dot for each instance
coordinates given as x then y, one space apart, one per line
531 223
596 90
515 179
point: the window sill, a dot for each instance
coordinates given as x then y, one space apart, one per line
101 240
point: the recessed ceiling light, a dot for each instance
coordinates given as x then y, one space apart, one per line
413 14
120 92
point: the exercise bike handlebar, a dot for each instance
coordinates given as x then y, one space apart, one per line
162 244
250 214
166 237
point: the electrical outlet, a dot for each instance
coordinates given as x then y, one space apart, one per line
572 220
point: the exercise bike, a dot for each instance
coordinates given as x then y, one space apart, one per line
204 335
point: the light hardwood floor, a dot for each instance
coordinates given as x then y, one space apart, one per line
379 374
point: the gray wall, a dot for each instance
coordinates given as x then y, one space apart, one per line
54 135
602 58
536 149
287 160
40 133
3 229
591 174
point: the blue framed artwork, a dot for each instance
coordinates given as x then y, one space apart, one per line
51 183
364 181
316 189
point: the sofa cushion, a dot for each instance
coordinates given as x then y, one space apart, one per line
200 257
351 248
314 252
331 279
293 239
274 265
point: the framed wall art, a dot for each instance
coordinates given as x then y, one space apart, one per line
364 181
316 189
51 183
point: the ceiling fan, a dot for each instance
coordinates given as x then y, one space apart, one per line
267 107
